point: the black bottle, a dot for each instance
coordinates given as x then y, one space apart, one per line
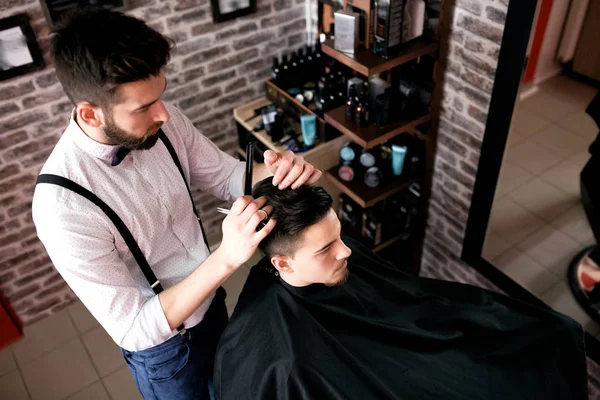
294 71
302 77
275 71
284 72
319 58
361 115
361 112
311 74
322 102
350 104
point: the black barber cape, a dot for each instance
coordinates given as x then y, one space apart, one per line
385 335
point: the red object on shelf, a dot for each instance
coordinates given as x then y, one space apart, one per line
11 328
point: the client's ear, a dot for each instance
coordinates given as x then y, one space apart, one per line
282 264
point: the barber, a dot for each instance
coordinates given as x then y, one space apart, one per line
136 154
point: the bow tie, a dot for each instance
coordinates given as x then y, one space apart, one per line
119 156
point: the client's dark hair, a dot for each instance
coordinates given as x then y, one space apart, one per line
96 50
294 210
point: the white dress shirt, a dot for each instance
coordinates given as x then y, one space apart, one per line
147 192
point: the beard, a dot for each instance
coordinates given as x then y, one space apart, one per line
342 279
123 138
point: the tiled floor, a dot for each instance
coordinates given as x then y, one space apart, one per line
69 356
537 224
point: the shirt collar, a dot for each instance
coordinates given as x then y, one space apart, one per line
87 144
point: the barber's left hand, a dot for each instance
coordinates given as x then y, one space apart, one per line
289 169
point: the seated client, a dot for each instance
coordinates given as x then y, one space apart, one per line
322 317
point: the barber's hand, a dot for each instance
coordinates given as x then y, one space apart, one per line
240 238
289 169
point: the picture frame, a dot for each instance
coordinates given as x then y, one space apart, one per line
19 51
55 10
225 10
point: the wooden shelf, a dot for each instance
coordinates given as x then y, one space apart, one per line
370 136
274 91
364 195
364 61
392 240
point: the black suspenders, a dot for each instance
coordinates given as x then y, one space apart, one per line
118 222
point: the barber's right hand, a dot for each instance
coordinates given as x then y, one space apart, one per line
240 238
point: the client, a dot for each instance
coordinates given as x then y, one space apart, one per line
322 317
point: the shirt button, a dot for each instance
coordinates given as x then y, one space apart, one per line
191 249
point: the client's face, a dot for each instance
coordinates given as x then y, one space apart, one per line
321 257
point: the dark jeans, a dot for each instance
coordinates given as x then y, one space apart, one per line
181 367
590 197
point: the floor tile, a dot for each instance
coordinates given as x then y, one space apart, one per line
64 371
37 341
511 222
105 354
511 177
526 123
84 321
560 141
532 157
580 124
7 361
525 271
564 176
95 391
575 224
120 385
543 199
577 93
515 138
234 285
547 106
493 246
561 299
12 387
580 158
552 249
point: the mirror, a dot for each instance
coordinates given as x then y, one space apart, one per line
540 226
534 219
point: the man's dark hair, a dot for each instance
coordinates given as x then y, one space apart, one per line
96 50
294 210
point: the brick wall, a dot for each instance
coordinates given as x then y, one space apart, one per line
471 42
216 67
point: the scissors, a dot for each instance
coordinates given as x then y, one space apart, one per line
248 185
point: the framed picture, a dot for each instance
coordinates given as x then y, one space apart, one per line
19 52
55 10
224 10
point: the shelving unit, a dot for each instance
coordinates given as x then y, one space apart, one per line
367 63
371 136
364 195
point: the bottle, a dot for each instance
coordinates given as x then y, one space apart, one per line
275 71
360 111
366 102
294 71
319 58
350 104
302 76
310 65
284 71
322 101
